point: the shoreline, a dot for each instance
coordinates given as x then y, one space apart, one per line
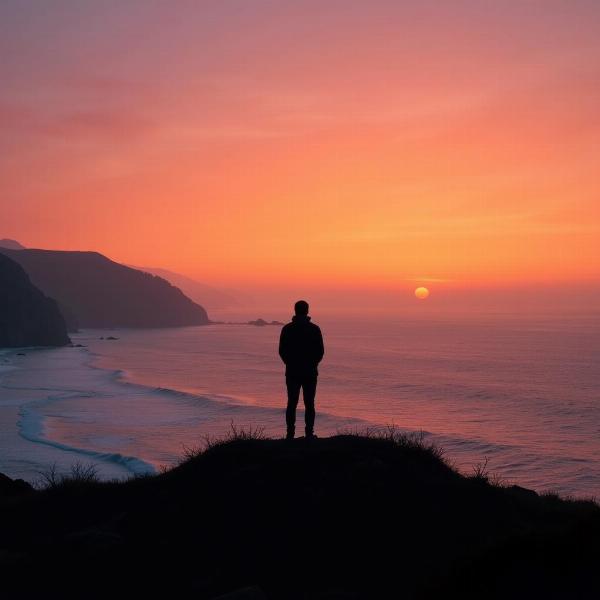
21 401
73 419
37 417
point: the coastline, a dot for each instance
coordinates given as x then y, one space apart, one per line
46 418
71 405
26 451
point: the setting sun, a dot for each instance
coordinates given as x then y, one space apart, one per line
421 293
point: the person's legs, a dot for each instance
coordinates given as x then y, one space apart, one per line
293 392
309 389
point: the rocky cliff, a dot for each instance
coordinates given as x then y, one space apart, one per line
27 316
94 291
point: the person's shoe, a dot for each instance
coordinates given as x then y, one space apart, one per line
311 435
290 435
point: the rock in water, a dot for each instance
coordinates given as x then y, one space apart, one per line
27 316
258 323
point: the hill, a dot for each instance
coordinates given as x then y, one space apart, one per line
27 316
206 295
93 291
11 244
342 517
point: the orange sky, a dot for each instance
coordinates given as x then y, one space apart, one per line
354 145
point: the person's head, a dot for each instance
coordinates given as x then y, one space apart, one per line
301 308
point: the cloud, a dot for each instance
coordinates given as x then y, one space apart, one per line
81 108
101 125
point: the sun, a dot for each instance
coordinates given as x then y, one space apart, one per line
421 293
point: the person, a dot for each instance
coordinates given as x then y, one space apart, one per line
301 349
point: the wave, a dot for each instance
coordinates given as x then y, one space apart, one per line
123 378
30 424
473 445
32 429
31 421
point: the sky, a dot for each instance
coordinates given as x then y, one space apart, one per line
305 144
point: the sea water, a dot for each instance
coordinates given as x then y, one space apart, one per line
522 393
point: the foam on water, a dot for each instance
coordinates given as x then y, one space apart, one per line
31 427
64 401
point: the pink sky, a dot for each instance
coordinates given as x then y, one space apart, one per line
339 145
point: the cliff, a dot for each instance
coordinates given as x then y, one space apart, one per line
94 291
206 295
27 316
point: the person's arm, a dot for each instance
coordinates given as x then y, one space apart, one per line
320 347
283 345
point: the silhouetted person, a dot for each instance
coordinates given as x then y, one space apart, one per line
301 349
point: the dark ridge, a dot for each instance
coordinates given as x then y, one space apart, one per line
93 291
342 517
27 316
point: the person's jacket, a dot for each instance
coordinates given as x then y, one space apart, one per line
301 347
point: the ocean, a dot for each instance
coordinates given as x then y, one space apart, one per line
520 393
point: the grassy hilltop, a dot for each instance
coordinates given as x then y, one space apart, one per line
344 517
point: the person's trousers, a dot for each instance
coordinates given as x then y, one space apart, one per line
294 384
